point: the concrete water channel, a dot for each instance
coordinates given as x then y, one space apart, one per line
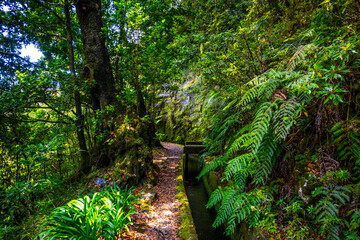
198 196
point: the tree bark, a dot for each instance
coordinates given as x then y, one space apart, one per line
140 103
85 164
97 69
123 42
97 61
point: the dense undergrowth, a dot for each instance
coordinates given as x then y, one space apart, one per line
76 109
271 86
279 81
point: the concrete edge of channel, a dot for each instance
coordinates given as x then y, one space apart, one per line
187 227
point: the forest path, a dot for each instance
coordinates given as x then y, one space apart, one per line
161 219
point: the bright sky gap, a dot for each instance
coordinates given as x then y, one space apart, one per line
32 52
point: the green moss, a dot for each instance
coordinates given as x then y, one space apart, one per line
146 198
211 183
187 227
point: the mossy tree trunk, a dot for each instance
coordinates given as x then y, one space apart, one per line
97 68
97 61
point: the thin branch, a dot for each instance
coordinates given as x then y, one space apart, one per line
59 112
36 120
51 10
18 56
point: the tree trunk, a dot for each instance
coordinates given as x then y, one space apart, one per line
97 69
85 164
97 61
123 42
140 103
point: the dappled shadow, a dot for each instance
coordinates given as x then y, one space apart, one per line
161 219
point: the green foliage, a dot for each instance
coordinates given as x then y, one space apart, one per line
326 211
247 206
102 214
278 83
272 84
346 138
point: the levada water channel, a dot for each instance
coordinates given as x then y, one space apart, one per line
198 197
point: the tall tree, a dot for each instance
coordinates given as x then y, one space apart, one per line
97 62
97 68
85 156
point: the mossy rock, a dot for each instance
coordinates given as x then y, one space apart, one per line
146 198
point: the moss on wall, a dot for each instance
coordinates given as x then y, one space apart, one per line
187 227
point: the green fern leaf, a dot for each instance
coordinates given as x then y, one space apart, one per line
283 118
215 197
239 164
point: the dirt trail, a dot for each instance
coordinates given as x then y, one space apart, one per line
161 221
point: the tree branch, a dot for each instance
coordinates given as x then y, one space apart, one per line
59 112
51 10
36 120
18 56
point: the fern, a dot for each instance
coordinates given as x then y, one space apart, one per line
347 138
263 87
265 157
240 164
240 179
237 206
223 130
283 119
250 95
241 141
213 165
327 209
227 206
215 197
261 124
299 57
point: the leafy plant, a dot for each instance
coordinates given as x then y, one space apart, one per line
102 214
346 137
326 211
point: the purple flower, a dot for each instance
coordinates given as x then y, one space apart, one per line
100 181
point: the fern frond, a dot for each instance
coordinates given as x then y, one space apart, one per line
341 194
231 225
250 95
337 126
263 87
240 179
261 123
265 157
240 142
283 118
223 131
215 197
231 104
240 165
327 209
298 57
346 136
213 165
227 206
